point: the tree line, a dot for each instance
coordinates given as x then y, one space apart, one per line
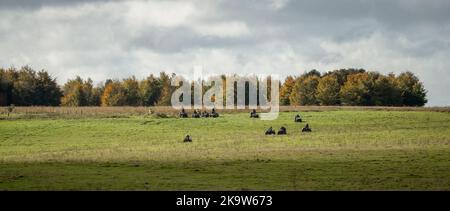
355 87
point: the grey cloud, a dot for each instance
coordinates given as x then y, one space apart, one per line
169 40
36 4
110 40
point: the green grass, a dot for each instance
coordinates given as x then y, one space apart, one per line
348 150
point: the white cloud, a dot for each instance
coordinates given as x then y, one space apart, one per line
158 13
278 4
223 29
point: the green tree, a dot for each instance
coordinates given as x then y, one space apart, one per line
6 84
97 93
131 89
310 73
385 92
47 92
412 91
24 86
166 89
88 88
150 90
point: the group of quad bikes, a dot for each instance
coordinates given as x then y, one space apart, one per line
253 114
282 130
198 114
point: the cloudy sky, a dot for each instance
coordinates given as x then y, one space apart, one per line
115 39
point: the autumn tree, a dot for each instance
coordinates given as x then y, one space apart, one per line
286 90
74 94
79 92
304 90
328 90
342 74
354 91
27 87
114 94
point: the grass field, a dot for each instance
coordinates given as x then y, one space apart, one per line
349 149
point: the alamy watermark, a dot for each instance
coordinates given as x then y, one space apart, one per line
251 91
